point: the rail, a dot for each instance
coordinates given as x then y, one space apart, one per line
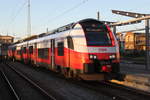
32 83
10 85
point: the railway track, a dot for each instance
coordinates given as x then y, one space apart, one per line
115 91
119 92
25 87
141 94
7 90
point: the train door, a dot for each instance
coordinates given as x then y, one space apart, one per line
30 53
35 55
21 53
70 46
52 53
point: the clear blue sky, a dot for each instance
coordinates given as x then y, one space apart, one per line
55 13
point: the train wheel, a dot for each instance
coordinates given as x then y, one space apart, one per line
58 69
13 60
71 74
64 71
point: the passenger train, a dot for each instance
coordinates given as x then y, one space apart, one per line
86 49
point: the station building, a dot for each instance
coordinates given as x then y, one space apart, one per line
5 41
135 41
131 42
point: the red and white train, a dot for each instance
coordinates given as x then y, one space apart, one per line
87 49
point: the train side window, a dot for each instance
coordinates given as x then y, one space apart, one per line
40 53
60 46
13 49
21 49
43 53
24 50
18 52
31 49
46 53
70 42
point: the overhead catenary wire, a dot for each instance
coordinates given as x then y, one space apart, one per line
63 13
18 12
69 10
14 16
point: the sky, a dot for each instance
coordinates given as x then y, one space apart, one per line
52 14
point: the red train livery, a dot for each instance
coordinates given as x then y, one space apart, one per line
87 49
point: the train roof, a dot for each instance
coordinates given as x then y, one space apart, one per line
90 20
59 30
71 26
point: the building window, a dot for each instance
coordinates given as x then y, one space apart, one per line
128 38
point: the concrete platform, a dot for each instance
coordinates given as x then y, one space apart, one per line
135 76
135 69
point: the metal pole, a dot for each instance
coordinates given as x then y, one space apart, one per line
114 30
29 20
98 16
46 30
147 44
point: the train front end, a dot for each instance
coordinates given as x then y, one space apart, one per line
103 51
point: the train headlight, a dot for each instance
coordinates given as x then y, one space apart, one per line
93 56
112 56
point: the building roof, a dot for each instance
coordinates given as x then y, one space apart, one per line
6 36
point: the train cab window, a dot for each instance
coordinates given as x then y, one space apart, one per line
31 49
70 42
97 36
60 51
96 33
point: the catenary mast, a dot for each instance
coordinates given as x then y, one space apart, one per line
29 20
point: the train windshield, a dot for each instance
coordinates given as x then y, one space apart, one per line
97 35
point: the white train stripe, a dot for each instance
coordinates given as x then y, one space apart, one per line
97 49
